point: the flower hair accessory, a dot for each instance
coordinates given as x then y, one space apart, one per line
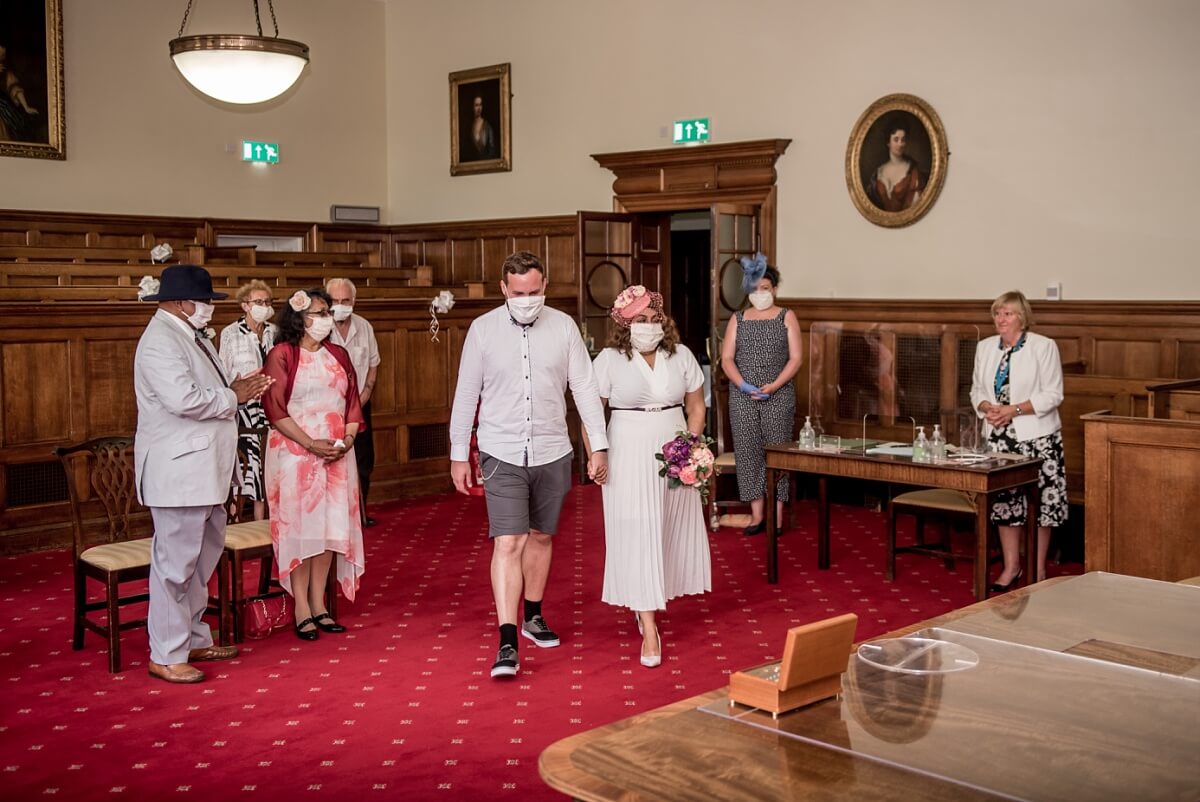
299 301
632 302
753 269
148 286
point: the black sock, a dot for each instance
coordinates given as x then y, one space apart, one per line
532 608
508 635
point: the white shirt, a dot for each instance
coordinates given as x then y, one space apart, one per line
632 383
361 344
518 374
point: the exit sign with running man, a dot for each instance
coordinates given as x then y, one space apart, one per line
261 152
691 131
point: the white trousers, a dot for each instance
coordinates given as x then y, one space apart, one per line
187 545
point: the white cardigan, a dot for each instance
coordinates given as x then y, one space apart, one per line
1034 375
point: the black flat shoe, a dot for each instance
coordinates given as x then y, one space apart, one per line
998 588
307 634
332 626
757 529
368 521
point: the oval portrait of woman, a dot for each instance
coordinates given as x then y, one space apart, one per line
896 160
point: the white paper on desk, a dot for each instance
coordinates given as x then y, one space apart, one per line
892 449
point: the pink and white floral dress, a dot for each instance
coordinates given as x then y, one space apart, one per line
314 505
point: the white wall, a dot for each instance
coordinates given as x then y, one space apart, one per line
1072 126
141 141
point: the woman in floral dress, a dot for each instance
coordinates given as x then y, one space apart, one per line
312 488
1016 389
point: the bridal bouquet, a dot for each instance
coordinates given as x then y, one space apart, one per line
687 461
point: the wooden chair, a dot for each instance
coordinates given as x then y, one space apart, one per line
246 540
725 463
102 469
947 504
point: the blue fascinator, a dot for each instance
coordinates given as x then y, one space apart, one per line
753 269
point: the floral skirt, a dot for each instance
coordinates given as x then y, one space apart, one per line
1009 507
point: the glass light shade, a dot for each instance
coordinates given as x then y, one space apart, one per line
239 69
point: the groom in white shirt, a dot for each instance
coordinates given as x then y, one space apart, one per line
517 362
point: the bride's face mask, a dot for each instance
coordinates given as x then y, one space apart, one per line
645 337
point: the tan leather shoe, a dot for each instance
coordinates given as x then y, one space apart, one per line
177 672
213 652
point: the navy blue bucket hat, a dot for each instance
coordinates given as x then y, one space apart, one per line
185 283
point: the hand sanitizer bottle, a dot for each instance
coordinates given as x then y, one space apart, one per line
937 445
920 446
808 436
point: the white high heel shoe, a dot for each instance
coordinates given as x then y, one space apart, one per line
650 661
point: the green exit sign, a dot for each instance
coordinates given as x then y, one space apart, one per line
688 131
261 152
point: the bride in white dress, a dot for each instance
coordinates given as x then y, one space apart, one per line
655 538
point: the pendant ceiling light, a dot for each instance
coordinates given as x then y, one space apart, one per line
239 68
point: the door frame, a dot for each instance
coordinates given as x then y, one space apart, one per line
681 179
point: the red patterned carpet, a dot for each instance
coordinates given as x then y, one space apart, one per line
402 706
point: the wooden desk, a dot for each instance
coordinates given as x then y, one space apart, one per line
980 481
680 752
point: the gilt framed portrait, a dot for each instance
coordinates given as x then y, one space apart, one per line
481 120
896 160
31 79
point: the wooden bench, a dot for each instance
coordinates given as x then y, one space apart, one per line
71 281
35 254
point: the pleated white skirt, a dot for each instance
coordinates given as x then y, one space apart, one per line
655 538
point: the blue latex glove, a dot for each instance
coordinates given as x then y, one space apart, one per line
748 388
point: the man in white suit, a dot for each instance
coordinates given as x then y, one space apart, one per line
185 453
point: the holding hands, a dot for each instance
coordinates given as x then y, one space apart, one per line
598 467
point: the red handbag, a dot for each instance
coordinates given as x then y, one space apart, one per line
264 616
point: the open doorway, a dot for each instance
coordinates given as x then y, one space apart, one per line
691 285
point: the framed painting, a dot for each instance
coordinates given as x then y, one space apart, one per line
31 79
896 160
481 120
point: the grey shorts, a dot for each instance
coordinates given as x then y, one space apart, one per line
523 498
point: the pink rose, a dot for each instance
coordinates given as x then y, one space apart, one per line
687 475
299 301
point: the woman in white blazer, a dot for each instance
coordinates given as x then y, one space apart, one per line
1017 389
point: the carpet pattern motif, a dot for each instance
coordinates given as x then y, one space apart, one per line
402 705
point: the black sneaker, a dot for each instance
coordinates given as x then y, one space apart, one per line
536 630
506 664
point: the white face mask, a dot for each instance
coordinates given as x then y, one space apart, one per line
762 299
645 336
341 312
199 319
261 314
319 328
526 308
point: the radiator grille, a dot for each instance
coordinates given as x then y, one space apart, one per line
429 441
36 483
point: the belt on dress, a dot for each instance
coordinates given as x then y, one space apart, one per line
646 409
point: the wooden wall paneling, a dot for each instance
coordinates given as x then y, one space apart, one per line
495 251
428 370
562 253
466 260
434 254
36 387
1126 356
1187 359
107 376
533 244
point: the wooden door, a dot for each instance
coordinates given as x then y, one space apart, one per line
616 250
735 233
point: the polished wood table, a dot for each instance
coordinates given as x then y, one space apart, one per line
980 481
1010 732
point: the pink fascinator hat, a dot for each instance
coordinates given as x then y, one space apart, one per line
632 302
